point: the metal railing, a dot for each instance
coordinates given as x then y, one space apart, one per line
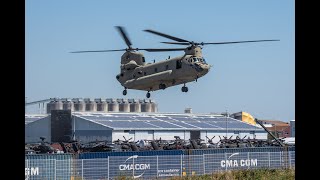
151 167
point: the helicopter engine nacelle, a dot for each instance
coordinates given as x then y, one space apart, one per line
194 50
133 56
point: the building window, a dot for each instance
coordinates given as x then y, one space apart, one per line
236 132
251 132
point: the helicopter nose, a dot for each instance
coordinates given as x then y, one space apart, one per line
205 67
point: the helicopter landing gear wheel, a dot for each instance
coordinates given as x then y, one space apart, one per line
184 89
148 95
124 92
162 86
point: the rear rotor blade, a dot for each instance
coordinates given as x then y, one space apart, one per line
239 42
124 35
99 51
165 35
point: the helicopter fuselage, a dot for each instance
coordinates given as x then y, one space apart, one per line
162 74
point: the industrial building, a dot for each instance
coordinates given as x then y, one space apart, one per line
278 128
65 125
293 128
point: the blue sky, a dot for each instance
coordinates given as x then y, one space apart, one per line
258 78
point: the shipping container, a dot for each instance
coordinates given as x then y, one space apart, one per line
94 155
233 150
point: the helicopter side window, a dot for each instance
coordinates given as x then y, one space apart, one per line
178 64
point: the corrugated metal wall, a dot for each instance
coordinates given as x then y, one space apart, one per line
119 135
169 135
37 129
146 135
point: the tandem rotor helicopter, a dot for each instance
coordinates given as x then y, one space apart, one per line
136 74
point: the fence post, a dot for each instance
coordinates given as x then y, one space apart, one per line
55 169
181 163
225 158
204 165
157 166
289 152
108 167
26 161
133 168
269 158
281 159
81 168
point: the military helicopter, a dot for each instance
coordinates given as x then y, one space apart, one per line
136 74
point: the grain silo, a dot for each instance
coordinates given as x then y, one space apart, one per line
101 105
154 106
50 106
67 104
113 105
124 105
54 104
134 105
89 105
78 104
145 105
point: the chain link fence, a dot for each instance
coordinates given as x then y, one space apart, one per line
152 167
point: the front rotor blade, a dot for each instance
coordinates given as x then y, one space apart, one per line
98 51
177 43
161 50
124 35
239 42
165 35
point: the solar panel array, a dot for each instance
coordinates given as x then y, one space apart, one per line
165 121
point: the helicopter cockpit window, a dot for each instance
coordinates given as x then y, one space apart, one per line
204 61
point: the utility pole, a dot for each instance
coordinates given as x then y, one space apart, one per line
227 123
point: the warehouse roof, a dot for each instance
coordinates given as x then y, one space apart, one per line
165 121
31 118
